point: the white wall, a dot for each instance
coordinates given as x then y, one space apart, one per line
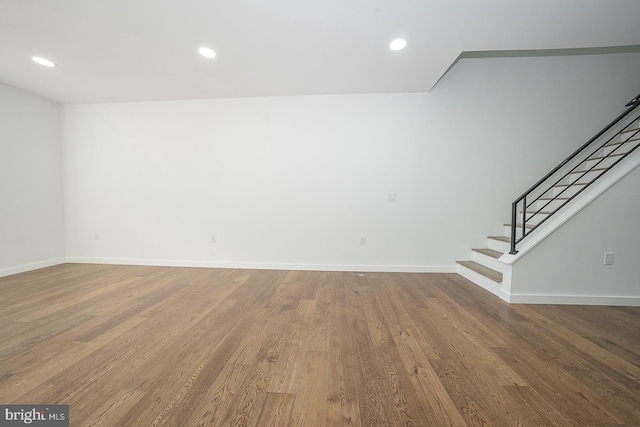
31 208
568 266
295 181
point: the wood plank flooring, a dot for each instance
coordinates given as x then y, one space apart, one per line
137 346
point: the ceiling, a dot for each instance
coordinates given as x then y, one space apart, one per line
146 50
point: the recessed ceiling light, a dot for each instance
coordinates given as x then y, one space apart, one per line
43 61
398 44
206 52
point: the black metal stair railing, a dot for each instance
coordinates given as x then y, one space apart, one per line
569 173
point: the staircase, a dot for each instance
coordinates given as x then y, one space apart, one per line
575 174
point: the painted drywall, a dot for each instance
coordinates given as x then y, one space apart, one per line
295 182
31 203
568 266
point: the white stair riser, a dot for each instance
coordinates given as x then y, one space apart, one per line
629 134
507 232
499 246
547 205
488 261
582 177
533 218
617 149
599 163
480 280
570 191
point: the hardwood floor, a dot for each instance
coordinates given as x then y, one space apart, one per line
134 346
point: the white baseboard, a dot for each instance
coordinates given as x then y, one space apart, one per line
576 299
29 267
268 265
512 298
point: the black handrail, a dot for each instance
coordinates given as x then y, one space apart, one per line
632 105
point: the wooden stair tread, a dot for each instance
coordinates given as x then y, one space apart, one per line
613 144
481 269
520 225
628 131
501 238
604 157
539 213
634 137
590 170
489 252
569 185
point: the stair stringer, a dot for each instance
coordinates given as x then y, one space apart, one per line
596 189
612 176
503 289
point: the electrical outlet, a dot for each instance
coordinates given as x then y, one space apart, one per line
363 240
608 258
212 238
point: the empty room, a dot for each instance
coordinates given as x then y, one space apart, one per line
319 213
